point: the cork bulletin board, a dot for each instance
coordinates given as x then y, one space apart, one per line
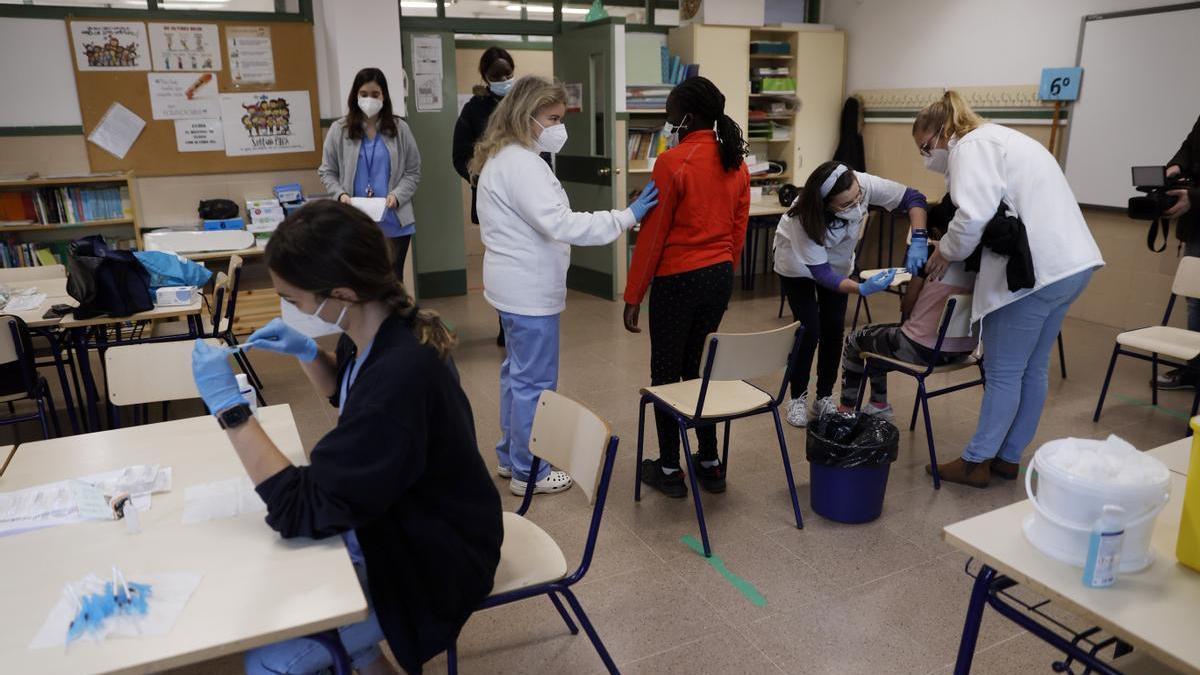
156 151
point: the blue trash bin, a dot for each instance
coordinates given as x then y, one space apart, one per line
848 475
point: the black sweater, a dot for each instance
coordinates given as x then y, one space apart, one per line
467 132
1188 159
402 468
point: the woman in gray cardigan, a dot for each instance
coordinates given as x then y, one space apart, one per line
372 153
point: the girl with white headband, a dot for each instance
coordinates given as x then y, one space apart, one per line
814 256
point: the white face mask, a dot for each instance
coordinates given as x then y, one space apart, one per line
553 138
672 131
938 160
370 106
854 214
311 325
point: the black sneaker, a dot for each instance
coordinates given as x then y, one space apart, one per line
1177 379
711 478
670 485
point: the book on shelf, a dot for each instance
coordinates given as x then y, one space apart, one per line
14 253
64 205
646 143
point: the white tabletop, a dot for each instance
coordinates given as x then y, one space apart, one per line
156 313
1154 610
766 206
1175 455
257 588
6 453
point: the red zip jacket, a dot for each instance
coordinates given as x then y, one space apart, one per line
700 219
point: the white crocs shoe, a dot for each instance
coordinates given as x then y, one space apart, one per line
504 471
824 406
555 481
885 412
797 411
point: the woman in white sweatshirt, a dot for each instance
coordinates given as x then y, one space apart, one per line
528 227
989 165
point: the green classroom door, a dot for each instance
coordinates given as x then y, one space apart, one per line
585 60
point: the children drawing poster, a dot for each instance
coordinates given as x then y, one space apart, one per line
110 45
185 46
178 96
266 122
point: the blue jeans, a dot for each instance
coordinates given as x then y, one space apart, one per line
530 367
301 655
1017 340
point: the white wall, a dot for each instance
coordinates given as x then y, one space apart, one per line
935 43
348 41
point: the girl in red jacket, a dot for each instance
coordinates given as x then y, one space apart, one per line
687 245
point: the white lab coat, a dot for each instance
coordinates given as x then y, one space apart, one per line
527 228
795 251
994 163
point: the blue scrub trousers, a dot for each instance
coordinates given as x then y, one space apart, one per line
530 367
1017 340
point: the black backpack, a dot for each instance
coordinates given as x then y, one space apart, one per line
105 281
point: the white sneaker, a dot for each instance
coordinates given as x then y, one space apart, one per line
885 412
555 481
504 471
824 406
797 411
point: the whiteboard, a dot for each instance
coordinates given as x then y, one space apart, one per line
1139 100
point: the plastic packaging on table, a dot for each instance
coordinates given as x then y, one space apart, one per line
852 439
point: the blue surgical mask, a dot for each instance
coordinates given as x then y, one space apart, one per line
502 87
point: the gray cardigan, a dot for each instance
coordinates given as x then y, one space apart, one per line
340 159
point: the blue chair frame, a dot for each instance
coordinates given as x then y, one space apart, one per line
562 586
685 423
875 366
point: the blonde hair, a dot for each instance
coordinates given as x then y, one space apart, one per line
511 121
950 116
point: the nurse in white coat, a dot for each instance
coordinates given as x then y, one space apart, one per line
814 256
528 227
988 164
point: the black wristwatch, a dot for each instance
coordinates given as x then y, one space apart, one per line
232 418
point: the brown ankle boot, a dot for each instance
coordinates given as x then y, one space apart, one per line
1005 470
975 474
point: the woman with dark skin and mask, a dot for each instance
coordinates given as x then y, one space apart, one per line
687 247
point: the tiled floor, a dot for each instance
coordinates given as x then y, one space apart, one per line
888 596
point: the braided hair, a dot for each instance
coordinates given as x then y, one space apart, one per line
700 98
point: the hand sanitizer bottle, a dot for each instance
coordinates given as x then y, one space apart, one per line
1104 548
247 392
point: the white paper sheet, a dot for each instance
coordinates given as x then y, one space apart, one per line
24 302
372 206
110 45
220 499
117 130
267 122
429 92
199 135
169 593
185 46
56 503
90 501
251 57
177 96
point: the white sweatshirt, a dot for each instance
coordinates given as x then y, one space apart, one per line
993 163
528 228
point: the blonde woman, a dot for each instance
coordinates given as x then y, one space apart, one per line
528 227
989 166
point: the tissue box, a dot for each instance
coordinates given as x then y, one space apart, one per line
291 192
262 231
175 296
263 210
226 224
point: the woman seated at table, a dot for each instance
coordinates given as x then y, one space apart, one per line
400 477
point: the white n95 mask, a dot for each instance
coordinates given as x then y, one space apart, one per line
370 106
552 138
938 160
311 325
854 214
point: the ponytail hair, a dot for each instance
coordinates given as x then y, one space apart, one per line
811 208
699 97
948 117
326 245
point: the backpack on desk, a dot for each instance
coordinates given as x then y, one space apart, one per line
105 281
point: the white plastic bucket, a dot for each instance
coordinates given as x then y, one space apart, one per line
1066 506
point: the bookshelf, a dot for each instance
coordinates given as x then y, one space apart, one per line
45 213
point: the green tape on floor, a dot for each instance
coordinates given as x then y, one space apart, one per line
1177 414
744 587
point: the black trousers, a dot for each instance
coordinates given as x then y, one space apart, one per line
399 255
822 312
684 309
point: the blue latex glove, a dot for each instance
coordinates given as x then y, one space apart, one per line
214 377
918 252
281 338
877 283
645 201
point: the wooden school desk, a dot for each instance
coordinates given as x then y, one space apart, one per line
257 588
1154 610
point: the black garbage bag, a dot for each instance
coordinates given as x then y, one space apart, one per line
852 439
